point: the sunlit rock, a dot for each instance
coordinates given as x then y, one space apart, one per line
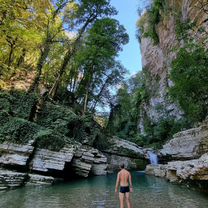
187 144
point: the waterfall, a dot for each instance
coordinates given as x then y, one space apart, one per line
153 158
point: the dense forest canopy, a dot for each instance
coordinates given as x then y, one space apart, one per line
61 46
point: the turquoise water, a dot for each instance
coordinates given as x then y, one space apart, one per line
98 192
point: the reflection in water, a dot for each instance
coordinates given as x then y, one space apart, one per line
98 192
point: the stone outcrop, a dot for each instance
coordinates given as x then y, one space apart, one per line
124 148
124 152
47 161
179 171
187 153
114 162
89 160
187 144
15 154
188 170
25 164
35 179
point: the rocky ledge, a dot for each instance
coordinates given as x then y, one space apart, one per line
187 153
27 165
180 171
186 145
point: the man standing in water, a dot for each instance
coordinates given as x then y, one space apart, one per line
124 180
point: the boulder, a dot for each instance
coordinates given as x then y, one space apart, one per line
189 144
156 170
124 148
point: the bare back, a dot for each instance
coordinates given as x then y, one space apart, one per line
124 177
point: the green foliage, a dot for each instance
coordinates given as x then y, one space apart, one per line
96 61
148 22
17 103
183 27
17 130
51 139
20 131
154 15
127 112
189 74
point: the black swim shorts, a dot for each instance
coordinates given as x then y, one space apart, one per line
124 189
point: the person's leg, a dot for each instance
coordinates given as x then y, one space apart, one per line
128 201
121 199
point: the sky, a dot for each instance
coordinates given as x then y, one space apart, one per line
130 57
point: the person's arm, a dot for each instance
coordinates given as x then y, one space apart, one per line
130 183
117 183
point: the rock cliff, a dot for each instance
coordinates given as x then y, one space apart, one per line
157 55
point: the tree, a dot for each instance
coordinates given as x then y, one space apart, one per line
53 28
20 33
87 13
96 60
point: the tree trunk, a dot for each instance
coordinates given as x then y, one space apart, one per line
85 102
21 58
40 64
46 49
100 93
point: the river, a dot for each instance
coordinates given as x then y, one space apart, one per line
98 192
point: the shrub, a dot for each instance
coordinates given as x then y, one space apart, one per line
18 130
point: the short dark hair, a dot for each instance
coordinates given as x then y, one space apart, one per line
122 166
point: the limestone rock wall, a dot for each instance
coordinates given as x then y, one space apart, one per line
157 58
27 165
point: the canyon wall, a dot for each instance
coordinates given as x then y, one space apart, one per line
157 56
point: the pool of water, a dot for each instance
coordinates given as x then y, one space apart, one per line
98 192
